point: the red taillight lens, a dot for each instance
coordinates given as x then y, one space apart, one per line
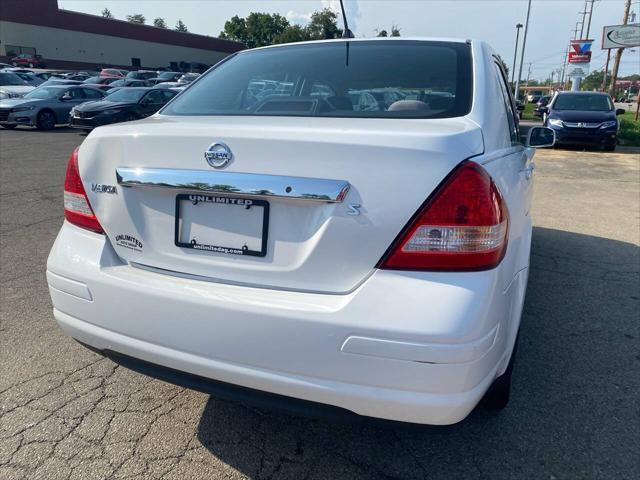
77 209
463 226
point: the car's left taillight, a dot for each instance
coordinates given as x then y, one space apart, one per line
77 209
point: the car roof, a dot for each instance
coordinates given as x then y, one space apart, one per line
604 94
375 39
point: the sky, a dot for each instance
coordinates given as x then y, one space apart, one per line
551 23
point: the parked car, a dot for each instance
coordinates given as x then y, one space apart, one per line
43 75
46 106
124 105
127 82
141 75
170 85
113 72
188 77
61 81
534 95
519 108
12 86
101 83
28 60
542 102
584 118
30 78
251 245
166 77
5 65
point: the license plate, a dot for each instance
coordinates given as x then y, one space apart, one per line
229 225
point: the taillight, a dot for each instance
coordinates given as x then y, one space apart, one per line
463 226
77 209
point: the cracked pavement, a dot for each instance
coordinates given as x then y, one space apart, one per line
66 413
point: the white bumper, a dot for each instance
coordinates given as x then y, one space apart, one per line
403 346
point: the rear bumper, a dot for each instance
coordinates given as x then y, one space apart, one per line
401 347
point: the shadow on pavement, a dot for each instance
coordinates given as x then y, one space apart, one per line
573 412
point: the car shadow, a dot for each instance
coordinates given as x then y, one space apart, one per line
573 410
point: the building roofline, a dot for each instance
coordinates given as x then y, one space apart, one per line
45 13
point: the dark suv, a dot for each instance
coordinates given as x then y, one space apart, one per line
583 118
28 60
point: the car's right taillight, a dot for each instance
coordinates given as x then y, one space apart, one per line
77 209
462 226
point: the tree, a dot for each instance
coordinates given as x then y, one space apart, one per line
106 13
257 30
181 27
159 22
136 18
395 32
295 33
593 81
324 25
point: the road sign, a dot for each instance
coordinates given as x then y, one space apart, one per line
580 51
621 36
578 70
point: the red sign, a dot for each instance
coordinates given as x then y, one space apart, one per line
580 51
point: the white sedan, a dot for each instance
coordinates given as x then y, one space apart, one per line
289 247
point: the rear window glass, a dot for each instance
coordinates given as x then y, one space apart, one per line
364 79
581 101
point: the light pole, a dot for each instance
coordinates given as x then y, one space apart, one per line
524 44
515 52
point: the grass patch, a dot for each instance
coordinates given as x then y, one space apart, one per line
629 130
528 112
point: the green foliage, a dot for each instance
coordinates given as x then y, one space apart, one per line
295 33
593 81
181 27
136 18
261 29
159 22
395 32
324 25
106 13
629 130
257 30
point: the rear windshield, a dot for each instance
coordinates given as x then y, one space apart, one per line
580 101
364 79
9 79
126 95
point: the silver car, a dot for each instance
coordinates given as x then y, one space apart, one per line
46 106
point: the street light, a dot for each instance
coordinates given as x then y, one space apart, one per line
524 44
515 53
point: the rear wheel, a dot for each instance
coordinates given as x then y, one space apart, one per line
497 397
46 120
609 148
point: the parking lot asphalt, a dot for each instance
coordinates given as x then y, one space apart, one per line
66 413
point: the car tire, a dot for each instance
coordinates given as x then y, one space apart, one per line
9 127
30 65
609 148
497 397
46 120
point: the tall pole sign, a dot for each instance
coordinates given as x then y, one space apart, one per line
579 61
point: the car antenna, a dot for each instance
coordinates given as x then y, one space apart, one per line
346 33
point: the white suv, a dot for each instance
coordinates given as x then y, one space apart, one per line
249 243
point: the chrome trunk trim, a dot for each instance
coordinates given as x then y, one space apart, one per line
236 184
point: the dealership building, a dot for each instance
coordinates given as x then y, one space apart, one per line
72 40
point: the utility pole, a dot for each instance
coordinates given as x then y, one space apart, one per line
584 14
515 53
616 60
590 15
524 44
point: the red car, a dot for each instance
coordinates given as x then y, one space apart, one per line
101 83
28 60
113 72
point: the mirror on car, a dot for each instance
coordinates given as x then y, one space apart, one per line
621 111
66 97
540 137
